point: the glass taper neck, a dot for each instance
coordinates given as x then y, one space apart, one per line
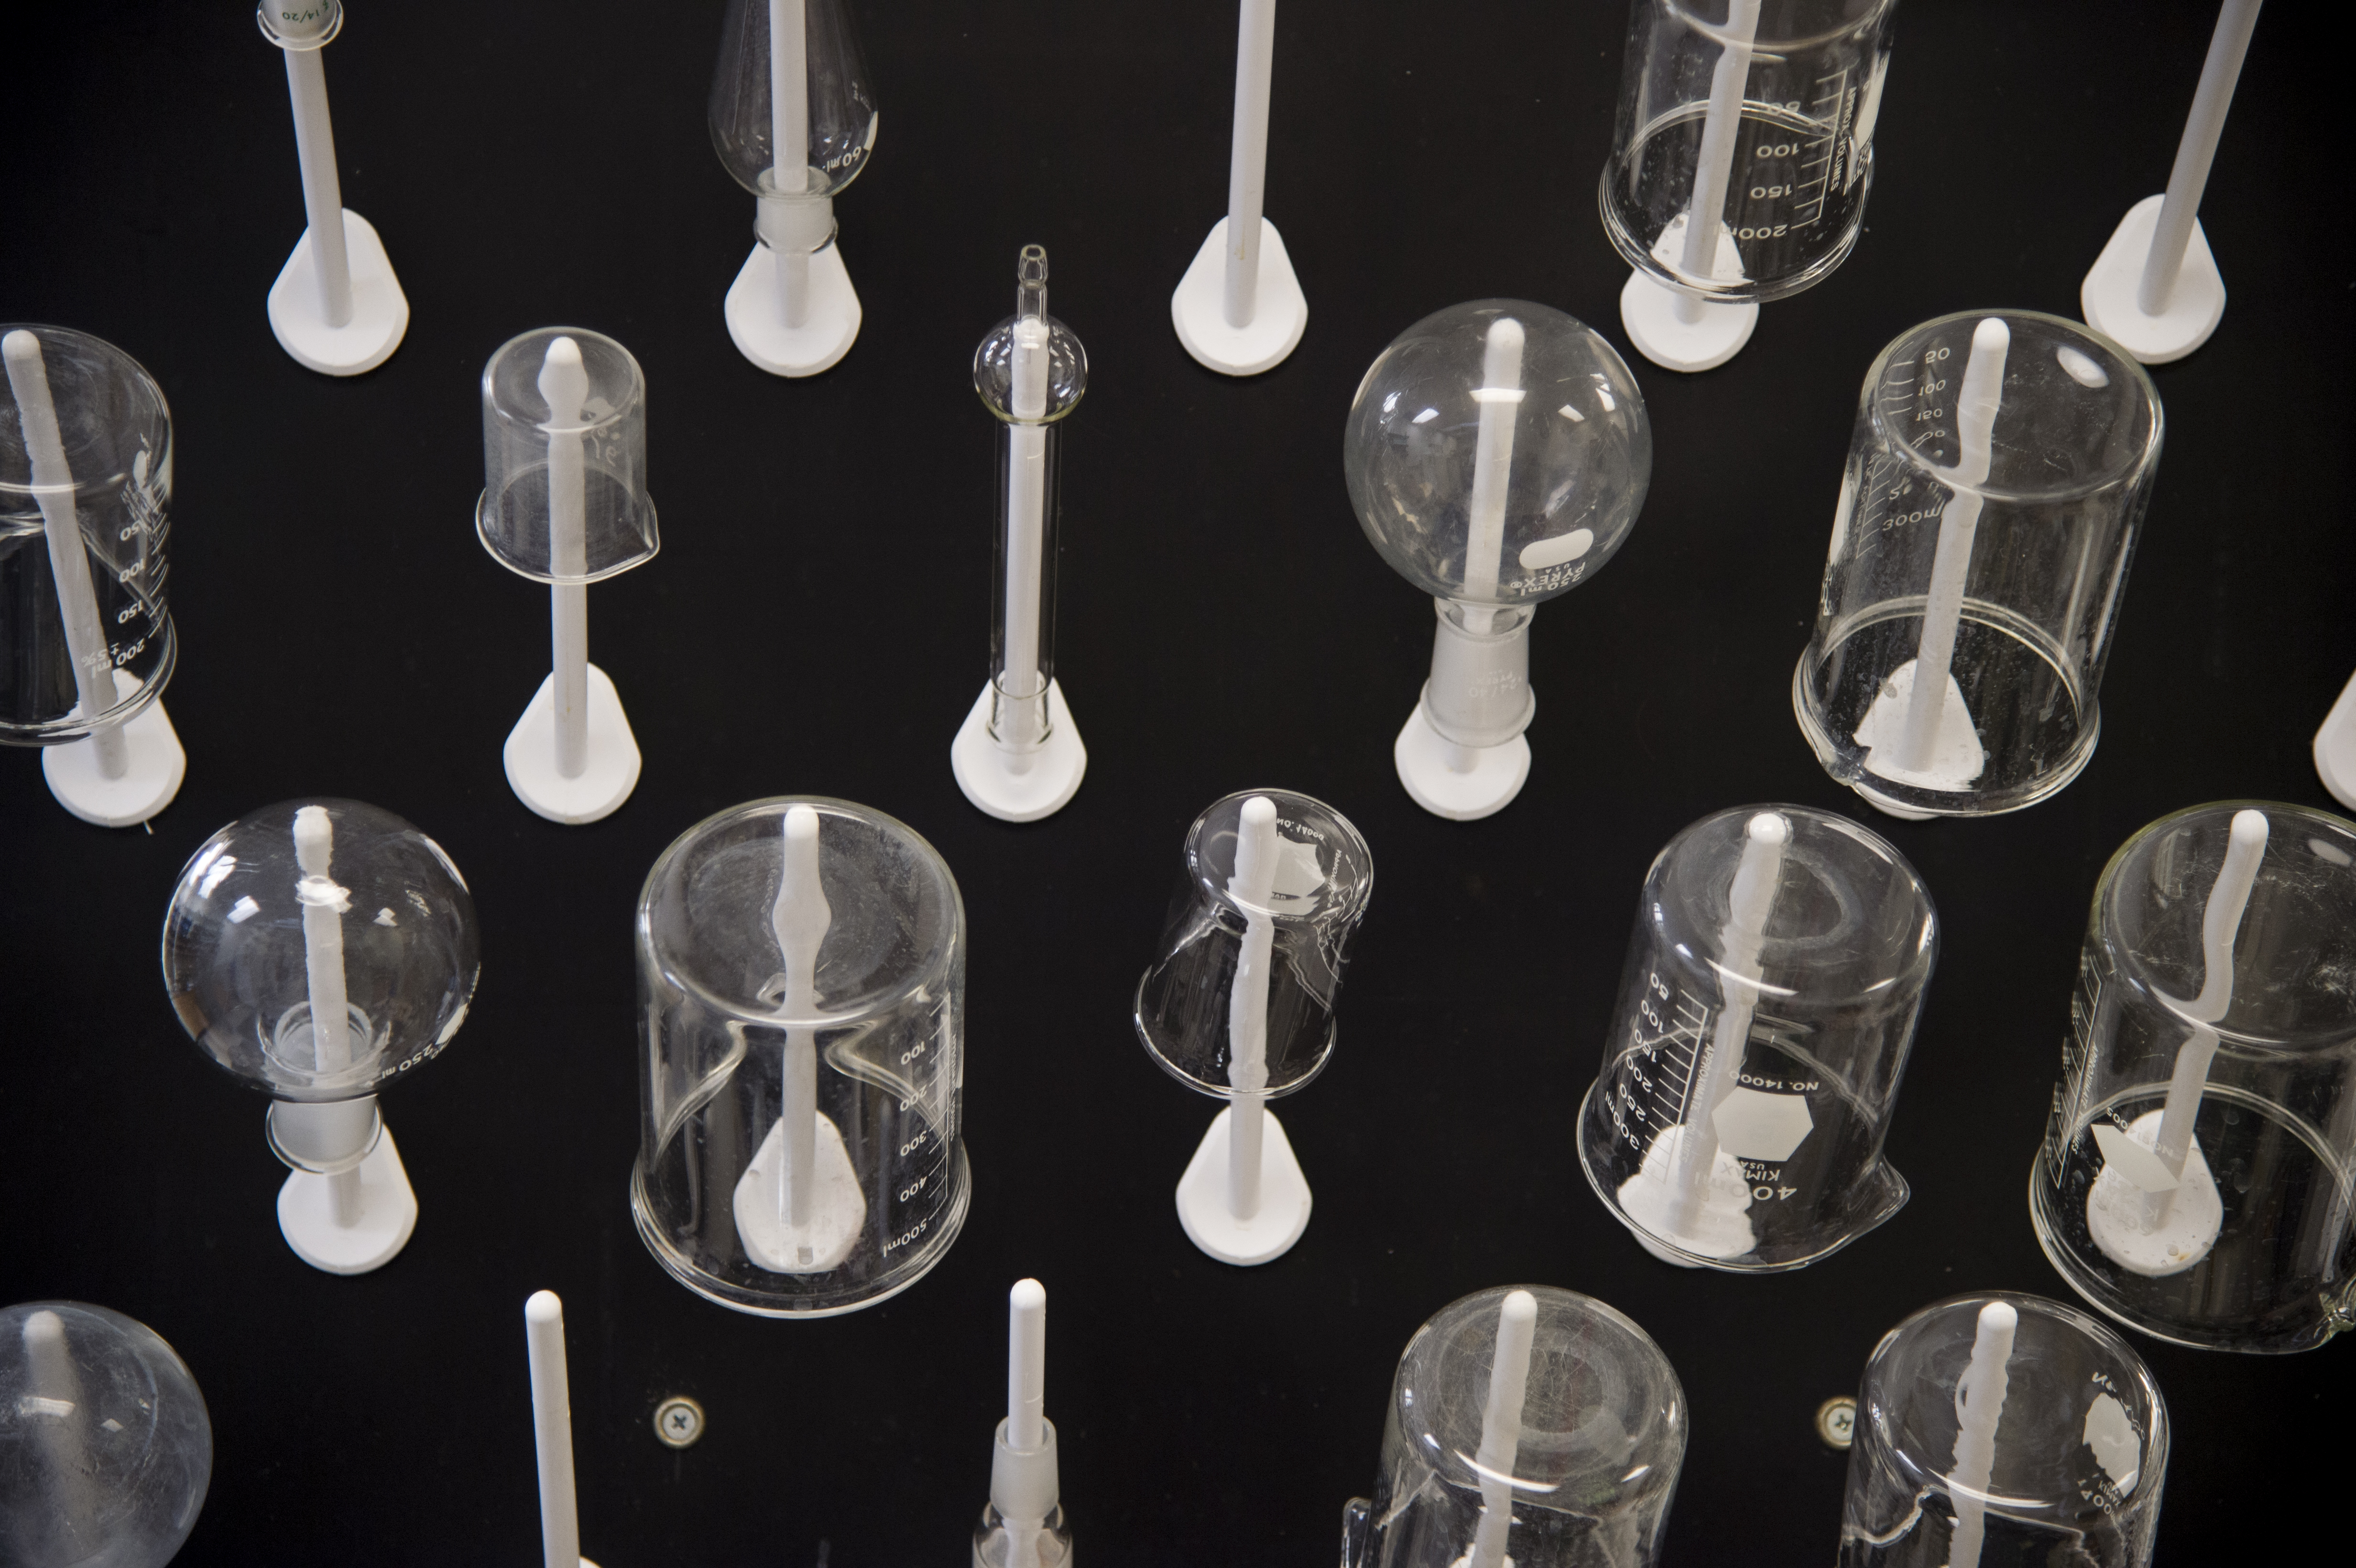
1030 286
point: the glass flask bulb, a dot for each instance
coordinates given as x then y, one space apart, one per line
795 121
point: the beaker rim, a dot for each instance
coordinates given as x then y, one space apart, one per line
2168 991
2124 476
1874 12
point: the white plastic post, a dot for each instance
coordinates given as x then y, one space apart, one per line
323 196
53 485
1951 561
1980 1406
1722 134
564 386
789 141
552 1431
1501 1427
1247 158
2190 177
1022 719
1750 902
323 973
799 920
1258 848
1026 1365
1022 1480
1500 396
59 1418
2221 927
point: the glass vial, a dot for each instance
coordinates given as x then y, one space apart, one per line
801 988
1030 371
1995 488
1324 880
85 629
602 434
2194 1181
1528 1426
1789 174
1769 1001
2004 1431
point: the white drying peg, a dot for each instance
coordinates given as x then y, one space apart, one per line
1500 396
1721 129
59 1419
789 139
1023 721
551 1431
1024 1492
1979 1407
564 386
799 1206
323 904
1500 1428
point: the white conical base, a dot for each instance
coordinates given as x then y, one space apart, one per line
1283 1198
1280 313
380 310
980 764
613 764
2108 295
1717 1227
2335 748
1956 756
838 1209
1496 777
756 321
306 1214
2117 1204
147 785
1648 310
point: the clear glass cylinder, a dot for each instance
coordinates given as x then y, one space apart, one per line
1601 1436
564 490
2017 574
1030 372
1765 1013
263 915
1325 876
2247 1244
106 1450
83 555
1791 169
798 1043
836 123
2068 1469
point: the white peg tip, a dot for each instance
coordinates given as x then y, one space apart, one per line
1769 829
1028 1295
563 381
45 1328
1505 333
2000 1318
1521 1308
1991 336
1259 811
544 1308
2249 828
21 348
315 839
801 824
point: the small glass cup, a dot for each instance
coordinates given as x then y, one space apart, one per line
1791 189
1324 880
2247 1244
106 1450
1769 1001
618 529
1601 1436
99 616
864 1046
2023 597
2073 1471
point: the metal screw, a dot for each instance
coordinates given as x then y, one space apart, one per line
679 1421
1837 1422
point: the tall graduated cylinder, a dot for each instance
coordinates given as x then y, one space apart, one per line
1769 1002
1030 371
1995 489
801 988
85 628
2196 1177
1784 162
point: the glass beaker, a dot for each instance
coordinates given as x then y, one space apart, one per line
2241 1022
106 1450
95 617
1572 1464
1771 987
1325 876
2012 1422
801 984
609 526
1985 526
1786 174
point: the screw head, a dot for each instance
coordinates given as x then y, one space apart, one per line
679 1421
1837 1422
